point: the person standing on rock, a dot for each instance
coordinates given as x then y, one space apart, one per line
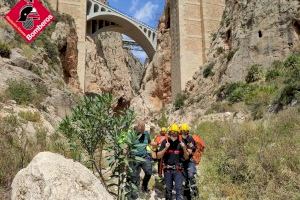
173 152
146 165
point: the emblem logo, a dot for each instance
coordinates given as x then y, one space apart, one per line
29 18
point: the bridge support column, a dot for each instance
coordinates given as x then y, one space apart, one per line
192 23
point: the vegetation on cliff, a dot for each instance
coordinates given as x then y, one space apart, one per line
252 160
96 127
266 90
258 158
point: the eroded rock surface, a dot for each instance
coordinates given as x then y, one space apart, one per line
50 176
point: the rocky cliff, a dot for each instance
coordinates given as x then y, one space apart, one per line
39 86
111 68
251 33
155 91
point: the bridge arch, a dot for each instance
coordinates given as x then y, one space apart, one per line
102 18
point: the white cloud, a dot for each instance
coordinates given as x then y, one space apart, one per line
134 4
147 12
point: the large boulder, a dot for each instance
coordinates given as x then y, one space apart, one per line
51 176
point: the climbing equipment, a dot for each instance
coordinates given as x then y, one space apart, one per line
200 146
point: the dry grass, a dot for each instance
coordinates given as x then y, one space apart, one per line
30 116
17 149
253 160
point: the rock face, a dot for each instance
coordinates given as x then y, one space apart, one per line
110 68
251 32
50 176
66 38
155 92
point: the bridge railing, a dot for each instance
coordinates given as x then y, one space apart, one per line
125 15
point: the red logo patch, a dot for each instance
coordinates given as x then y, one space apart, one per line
29 18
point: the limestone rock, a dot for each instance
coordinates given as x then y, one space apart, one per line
50 176
110 68
66 39
155 91
17 59
7 33
251 32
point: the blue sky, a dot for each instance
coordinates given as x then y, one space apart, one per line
147 11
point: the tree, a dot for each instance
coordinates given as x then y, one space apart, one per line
96 126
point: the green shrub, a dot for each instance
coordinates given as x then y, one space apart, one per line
52 51
287 94
272 74
12 3
179 101
234 92
292 61
30 116
208 71
259 99
96 127
20 91
254 74
24 93
4 50
220 50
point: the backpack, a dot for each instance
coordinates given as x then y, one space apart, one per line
142 142
159 139
200 146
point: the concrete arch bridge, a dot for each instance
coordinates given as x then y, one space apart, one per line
98 17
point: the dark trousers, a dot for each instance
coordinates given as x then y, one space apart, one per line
172 176
190 186
136 167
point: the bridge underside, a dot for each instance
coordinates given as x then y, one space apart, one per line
102 18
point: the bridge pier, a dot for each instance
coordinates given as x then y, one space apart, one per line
192 24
